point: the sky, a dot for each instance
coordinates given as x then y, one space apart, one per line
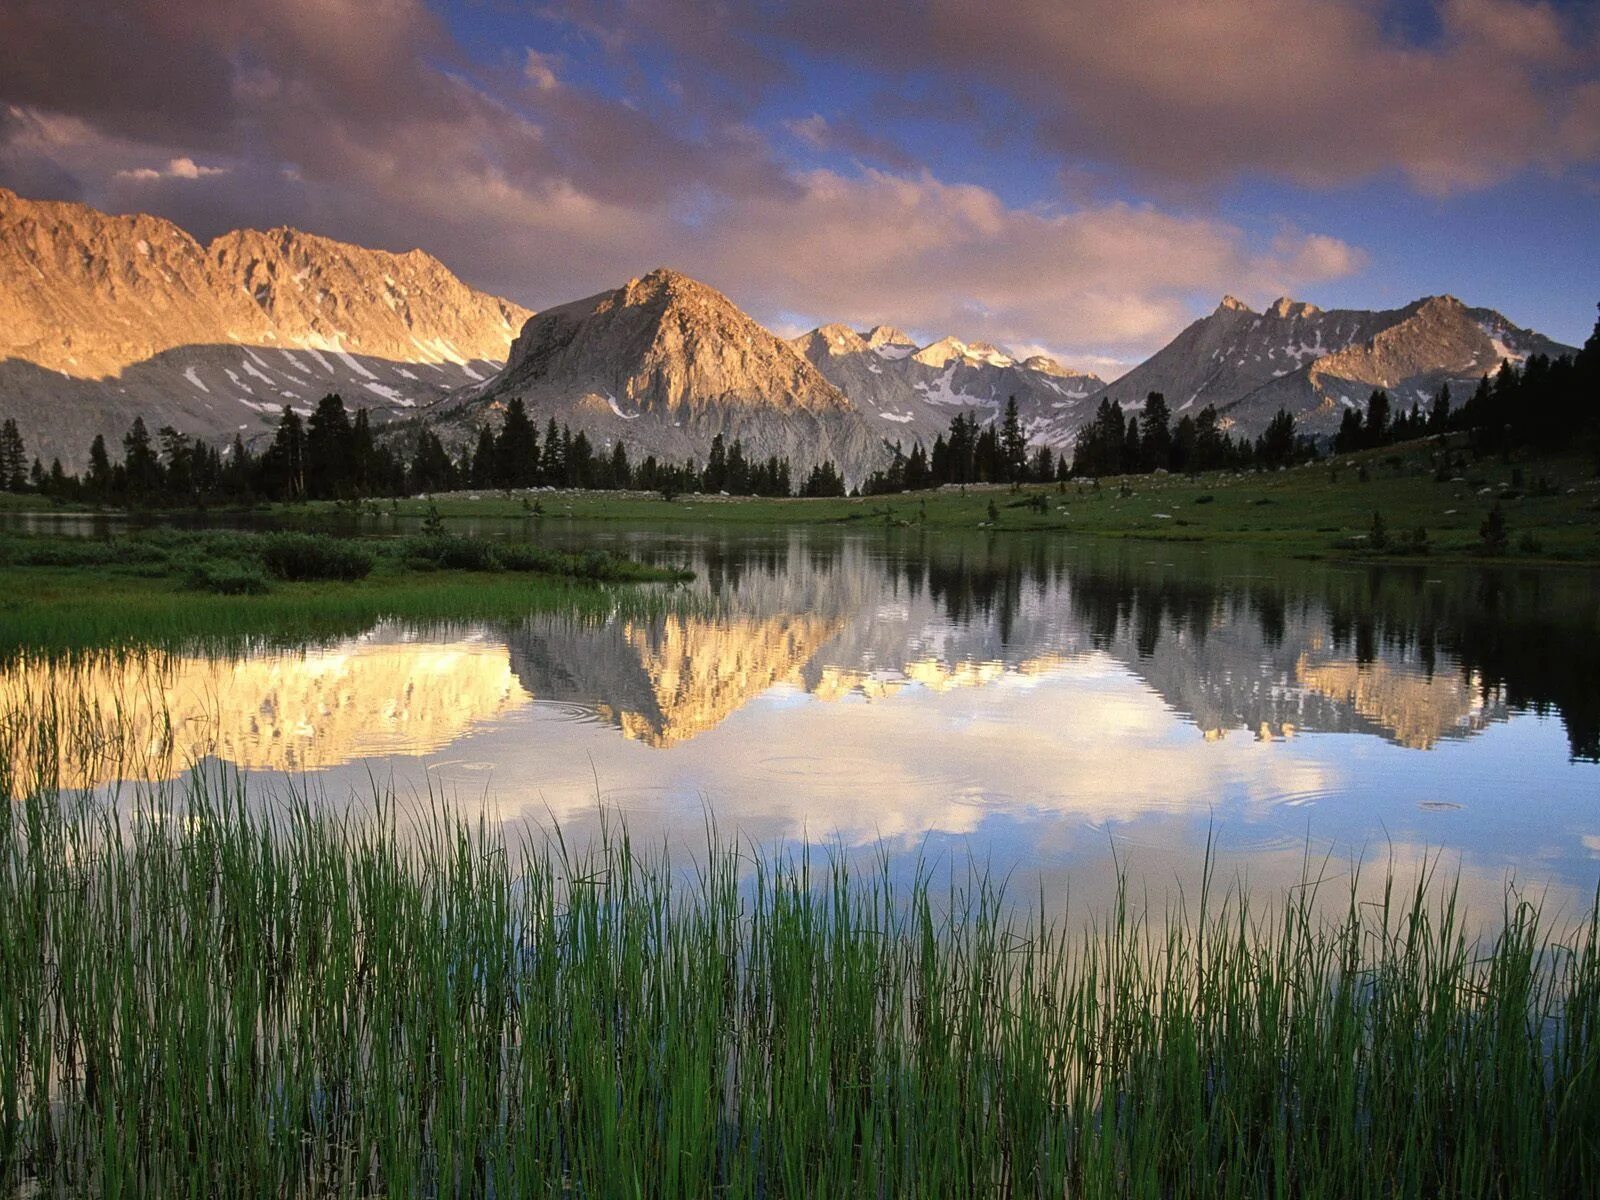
1078 177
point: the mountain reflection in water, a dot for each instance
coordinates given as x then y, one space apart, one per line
904 684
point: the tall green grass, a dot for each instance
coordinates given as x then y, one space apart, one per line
204 993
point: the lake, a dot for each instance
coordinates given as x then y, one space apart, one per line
1048 707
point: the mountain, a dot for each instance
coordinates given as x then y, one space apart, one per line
104 318
1315 363
664 364
913 392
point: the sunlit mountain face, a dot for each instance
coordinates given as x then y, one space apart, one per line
1019 695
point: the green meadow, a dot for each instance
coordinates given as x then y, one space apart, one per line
216 587
1550 507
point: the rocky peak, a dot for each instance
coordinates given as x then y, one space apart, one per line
841 339
886 335
1233 304
1285 309
940 353
664 343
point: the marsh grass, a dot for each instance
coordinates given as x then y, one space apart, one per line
208 993
300 557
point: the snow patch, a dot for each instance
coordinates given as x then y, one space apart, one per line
192 374
350 361
389 394
940 391
322 362
237 382
900 418
256 372
612 401
894 352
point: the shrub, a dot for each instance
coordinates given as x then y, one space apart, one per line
452 553
225 577
1493 532
298 557
527 558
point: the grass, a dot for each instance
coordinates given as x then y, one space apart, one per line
167 587
207 993
1312 512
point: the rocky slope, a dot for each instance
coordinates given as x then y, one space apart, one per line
1315 363
103 318
912 392
666 363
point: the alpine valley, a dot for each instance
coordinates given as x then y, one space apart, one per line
105 318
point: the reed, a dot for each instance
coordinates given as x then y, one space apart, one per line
205 992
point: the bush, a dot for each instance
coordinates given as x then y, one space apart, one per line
527 558
452 553
1493 533
298 557
225 577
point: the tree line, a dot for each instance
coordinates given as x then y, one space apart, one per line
334 454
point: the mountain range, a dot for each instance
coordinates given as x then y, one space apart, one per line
1316 363
104 318
915 390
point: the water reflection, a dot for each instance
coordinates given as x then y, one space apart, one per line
1031 692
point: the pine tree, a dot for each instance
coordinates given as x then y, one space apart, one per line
621 472
553 468
1155 434
1375 429
484 460
1013 445
516 450
283 467
329 445
1275 447
13 458
139 463
98 480
364 457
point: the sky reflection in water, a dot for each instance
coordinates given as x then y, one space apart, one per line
1022 700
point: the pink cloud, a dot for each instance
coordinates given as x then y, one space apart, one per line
374 130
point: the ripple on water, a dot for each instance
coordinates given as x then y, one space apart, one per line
565 712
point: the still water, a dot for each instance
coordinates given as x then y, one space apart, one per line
1043 705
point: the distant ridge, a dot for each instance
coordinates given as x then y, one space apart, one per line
104 318
912 392
1315 363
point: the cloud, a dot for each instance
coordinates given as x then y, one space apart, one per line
848 136
365 121
1316 92
935 256
183 167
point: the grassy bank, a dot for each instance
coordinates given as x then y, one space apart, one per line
208 996
1551 507
167 586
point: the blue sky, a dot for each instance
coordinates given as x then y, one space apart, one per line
1081 178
